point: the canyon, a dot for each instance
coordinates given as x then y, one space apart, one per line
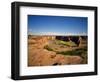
50 50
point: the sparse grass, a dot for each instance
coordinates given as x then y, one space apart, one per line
82 52
74 52
67 43
48 48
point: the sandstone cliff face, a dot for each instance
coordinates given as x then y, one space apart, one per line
38 56
42 57
40 41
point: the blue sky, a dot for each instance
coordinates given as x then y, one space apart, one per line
57 25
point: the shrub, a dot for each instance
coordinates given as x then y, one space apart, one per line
68 43
48 48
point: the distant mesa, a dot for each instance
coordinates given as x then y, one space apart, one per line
58 34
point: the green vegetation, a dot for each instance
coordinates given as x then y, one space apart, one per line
74 52
82 52
48 48
69 43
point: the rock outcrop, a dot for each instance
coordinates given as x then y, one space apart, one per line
38 56
42 57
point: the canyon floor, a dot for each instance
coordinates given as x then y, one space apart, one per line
48 51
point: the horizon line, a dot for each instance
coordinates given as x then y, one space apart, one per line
56 35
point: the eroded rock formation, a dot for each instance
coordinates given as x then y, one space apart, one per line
38 56
42 57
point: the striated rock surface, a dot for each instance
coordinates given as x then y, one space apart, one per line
42 57
38 56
